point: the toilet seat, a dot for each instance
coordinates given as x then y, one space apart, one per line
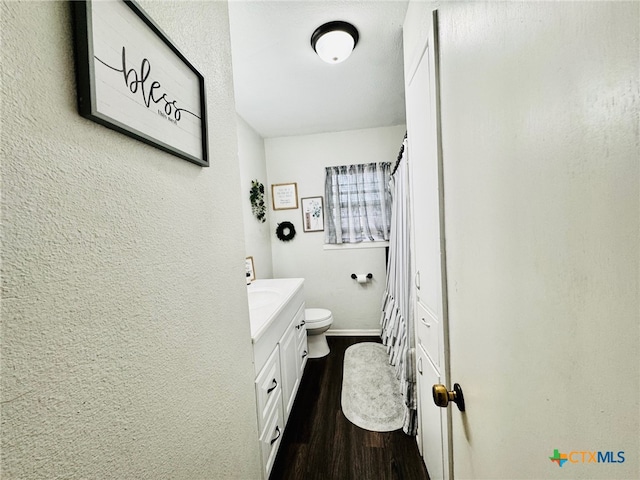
317 317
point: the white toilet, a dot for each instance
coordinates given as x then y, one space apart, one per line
317 321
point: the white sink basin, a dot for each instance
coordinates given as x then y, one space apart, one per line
268 298
259 298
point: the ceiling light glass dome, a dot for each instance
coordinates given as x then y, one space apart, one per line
334 41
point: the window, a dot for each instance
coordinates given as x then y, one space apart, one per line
358 203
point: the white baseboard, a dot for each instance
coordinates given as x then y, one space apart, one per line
372 332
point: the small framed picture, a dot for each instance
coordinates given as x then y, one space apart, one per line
312 214
284 196
250 269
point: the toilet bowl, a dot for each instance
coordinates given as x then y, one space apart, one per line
317 321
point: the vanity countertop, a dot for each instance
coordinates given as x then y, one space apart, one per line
267 298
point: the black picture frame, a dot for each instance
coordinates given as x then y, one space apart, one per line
131 78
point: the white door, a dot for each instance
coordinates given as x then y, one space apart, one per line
427 247
541 178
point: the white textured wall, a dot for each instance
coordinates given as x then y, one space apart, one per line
253 166
540 105
125 337
328 284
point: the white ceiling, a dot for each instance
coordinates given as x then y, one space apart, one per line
283 88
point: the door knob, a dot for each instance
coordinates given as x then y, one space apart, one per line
442 397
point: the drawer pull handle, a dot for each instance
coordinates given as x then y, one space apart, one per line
273 440
275 384
299 326
420 366
425 322
304 354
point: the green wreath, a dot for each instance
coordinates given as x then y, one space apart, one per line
285 231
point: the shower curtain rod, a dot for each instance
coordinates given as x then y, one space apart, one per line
399 155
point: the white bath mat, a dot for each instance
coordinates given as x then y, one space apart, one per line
371 397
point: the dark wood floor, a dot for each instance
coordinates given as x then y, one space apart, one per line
320 443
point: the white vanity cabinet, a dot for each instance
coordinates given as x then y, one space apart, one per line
279 341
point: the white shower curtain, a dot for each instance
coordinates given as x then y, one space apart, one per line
397 328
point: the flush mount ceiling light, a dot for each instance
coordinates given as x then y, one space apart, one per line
334 41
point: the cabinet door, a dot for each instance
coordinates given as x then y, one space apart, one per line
428 334
303 354
301 339
300 327
430 417
289 364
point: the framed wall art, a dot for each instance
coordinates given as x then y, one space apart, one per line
312 214
250 269
284 196
133 79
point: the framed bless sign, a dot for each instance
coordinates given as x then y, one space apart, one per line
131 78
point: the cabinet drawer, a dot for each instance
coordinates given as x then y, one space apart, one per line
428 333
268 387
271 437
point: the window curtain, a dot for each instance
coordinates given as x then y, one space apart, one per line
358 203
397 317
